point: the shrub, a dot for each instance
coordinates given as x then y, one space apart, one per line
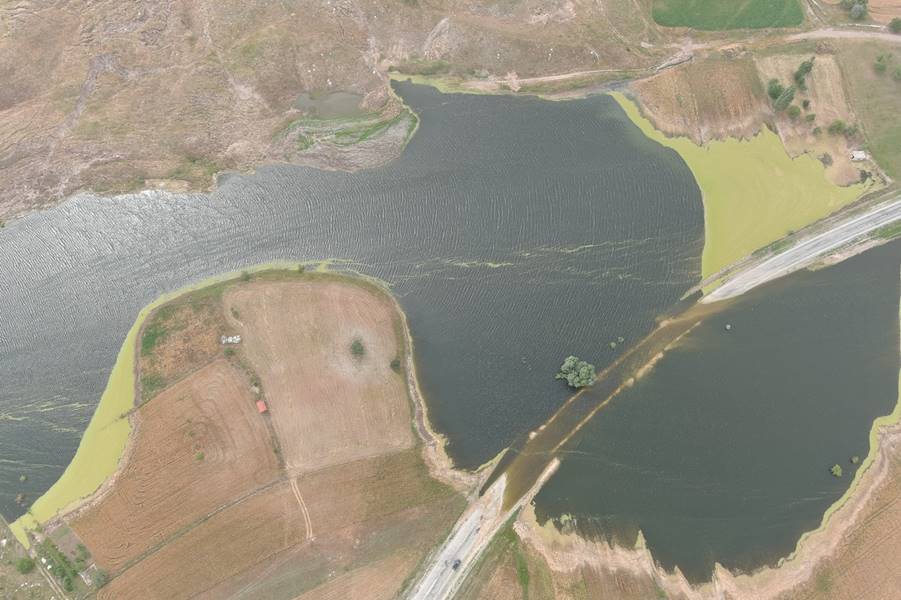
395 365
301 268
897 74
576 372
855 459
858 11
837 127
245 276
99 578
817 131
836 470
794 112
25 565
826 159
784 99
803 71
895 25
881 63
199 456
357 349
229 352
774 89
810 118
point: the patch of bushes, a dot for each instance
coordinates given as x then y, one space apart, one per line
801 74
857 9
784 99
576 372
25 565
881 64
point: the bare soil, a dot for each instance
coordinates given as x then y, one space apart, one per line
328 405
883 11
165 486
114 96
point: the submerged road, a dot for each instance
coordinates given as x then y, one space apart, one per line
809 250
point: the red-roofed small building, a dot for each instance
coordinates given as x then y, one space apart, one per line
261 406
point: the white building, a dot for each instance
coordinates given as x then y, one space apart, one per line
858 155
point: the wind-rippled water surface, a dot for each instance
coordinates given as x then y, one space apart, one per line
514 231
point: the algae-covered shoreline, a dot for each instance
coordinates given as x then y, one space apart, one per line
753 192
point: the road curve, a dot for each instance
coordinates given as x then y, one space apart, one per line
808 250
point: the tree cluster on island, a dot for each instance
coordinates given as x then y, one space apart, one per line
577 372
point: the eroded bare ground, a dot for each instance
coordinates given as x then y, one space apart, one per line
117 96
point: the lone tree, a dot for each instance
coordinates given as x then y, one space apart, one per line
576 372
357 348
774 89
895 25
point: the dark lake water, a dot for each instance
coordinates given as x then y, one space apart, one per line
723 451
514 232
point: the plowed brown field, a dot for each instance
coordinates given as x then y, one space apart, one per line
229 543
328 406
164 486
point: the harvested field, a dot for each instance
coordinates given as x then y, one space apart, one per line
164 487
883 11
728 14
712 98
227 544
328 404
828 103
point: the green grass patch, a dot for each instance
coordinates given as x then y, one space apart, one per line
363 132
876 100
889 232
754 193
423 67
150 385
713 15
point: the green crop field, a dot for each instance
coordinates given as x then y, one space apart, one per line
712 15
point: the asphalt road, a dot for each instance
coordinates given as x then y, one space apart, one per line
808 250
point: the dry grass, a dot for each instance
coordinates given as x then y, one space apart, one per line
707 99
328 405
164 487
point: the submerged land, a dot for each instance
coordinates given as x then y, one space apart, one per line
299 462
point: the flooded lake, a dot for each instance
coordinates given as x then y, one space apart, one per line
723 451
514 231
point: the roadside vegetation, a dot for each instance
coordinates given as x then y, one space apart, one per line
712 15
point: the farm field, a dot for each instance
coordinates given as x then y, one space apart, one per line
206 505
714 15
332 405
827 103
876 99
166 485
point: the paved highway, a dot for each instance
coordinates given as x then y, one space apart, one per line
808 250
